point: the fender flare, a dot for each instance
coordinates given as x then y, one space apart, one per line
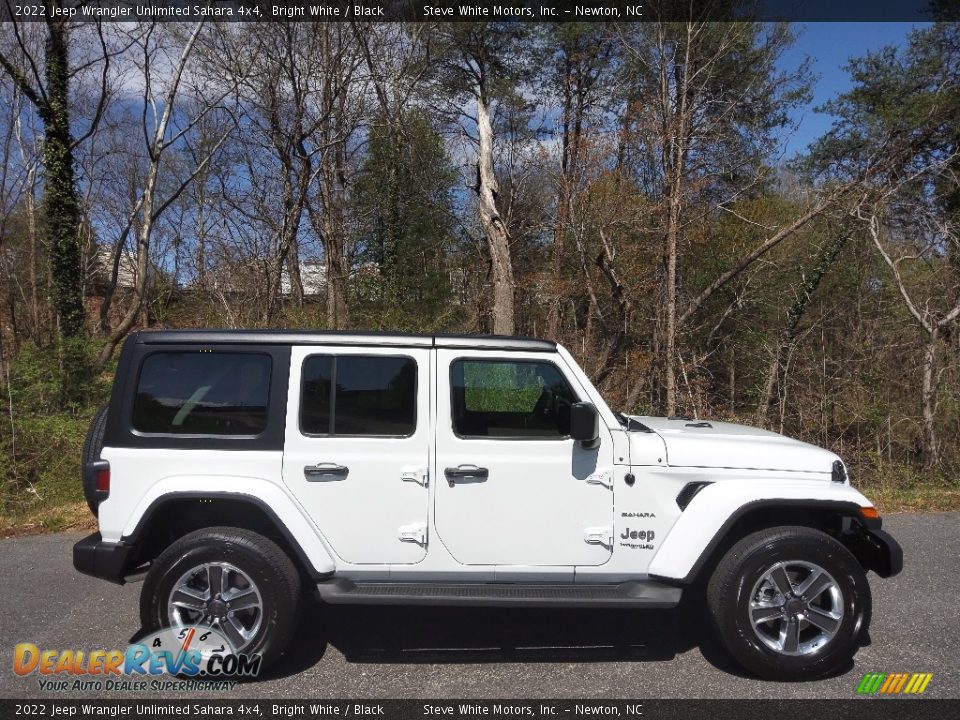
289 520
715 509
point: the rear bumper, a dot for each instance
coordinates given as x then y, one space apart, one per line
107 561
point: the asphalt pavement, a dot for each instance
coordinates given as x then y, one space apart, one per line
375 652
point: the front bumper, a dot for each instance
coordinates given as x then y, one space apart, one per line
104 560
878 551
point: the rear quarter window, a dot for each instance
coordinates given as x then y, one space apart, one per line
203 393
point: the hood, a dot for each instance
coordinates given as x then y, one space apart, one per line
708 443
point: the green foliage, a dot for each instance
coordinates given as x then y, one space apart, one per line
500 387
404 205
41 443
62 213
906 98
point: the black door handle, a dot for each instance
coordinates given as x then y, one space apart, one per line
322 472
466 473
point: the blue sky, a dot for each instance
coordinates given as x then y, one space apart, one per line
830 45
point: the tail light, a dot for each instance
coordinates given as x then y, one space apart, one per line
103 480
96 483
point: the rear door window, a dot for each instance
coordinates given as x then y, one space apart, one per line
359 395
203 393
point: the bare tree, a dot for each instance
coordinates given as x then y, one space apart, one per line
705 99
163 129
931 314
480 65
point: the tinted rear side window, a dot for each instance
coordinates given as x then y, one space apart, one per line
203 393
365 395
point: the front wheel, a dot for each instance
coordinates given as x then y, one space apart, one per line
232 580
790 603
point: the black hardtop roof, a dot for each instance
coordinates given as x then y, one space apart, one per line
345 337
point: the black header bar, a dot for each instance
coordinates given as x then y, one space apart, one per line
478 10
214 704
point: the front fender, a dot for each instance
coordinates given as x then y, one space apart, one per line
270 497
701 527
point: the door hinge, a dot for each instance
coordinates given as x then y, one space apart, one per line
415 533
412 473
601 477
599 536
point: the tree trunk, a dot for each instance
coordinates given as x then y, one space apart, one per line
564 192
498 238
789 335
61 210
674 141
928 397
331 226
338 307
144 231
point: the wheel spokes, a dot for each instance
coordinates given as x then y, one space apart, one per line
216 579
814 585
778 576
825 621
244 600
188 599
764 612
789 636
793 616
221 596
235 632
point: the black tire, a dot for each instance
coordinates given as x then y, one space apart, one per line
92 447
260 559
730 590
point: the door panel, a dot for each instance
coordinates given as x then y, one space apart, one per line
357 448
518 491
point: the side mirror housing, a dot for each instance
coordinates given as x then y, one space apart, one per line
585 424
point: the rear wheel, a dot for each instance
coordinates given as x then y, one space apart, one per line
790 603
232 580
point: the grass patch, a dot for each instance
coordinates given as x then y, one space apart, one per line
915 499
71 516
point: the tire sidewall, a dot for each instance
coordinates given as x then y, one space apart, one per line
838 562
163 577
92 447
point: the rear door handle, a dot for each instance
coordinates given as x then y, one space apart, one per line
466 473
324 472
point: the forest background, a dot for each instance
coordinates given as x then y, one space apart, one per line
619 188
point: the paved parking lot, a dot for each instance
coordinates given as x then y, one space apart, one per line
480 653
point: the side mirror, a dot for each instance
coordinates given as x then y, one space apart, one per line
585 424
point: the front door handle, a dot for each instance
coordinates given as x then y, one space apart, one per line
466 473
323 472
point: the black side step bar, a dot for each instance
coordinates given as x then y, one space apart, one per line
635 593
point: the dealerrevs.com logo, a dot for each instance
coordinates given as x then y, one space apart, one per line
200 656
894 683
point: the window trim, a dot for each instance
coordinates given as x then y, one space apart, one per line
212 436
333 396
512 438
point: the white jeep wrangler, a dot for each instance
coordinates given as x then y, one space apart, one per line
239 468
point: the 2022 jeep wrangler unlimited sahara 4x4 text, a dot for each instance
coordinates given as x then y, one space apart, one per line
241 468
